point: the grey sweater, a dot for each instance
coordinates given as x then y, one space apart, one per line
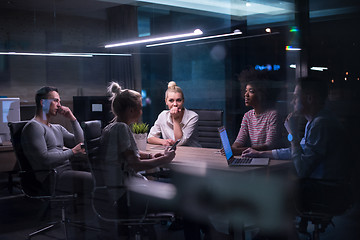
44 145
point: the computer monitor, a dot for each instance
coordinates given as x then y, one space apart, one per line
10 112
93 108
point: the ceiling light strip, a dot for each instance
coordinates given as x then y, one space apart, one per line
55 54
236 32
232 39
195 33
111 54
46 54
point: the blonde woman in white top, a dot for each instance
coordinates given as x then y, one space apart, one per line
175 123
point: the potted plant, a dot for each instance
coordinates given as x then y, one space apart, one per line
140 131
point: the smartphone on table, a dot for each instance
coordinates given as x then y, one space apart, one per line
174 146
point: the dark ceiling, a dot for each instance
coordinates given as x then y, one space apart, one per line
86 8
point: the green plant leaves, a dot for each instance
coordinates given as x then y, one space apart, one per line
140 128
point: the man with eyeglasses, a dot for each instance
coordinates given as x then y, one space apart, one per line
44 143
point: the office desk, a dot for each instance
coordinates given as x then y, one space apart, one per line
8 165
7 157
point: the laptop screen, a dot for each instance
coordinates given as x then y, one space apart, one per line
225 142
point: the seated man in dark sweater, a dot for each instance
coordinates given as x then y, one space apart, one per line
43 144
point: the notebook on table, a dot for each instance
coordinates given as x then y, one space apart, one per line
238 161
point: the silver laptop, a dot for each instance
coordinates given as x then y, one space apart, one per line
241 161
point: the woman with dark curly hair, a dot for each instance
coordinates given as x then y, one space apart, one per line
259 127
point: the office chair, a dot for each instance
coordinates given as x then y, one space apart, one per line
34 189
208 124
335 198
101 203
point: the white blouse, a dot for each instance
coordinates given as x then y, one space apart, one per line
164 128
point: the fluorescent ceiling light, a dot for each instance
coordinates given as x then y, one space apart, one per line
111 54
54 54
236 32
231 39
293 66
47 54
321 69
155 39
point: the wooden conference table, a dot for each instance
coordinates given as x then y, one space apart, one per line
211 159
206 185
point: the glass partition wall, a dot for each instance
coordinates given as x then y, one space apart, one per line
63 44
208 67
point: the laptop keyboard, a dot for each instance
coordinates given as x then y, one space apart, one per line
242 160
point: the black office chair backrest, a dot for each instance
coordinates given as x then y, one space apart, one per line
29 184
208 124
104 207
92 134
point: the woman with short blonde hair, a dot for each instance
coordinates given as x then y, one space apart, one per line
177 123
